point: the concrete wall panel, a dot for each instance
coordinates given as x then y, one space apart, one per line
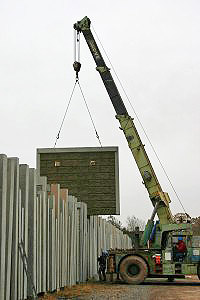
61 243
9 224
3 190
15 238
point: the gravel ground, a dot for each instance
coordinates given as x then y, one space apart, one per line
180 289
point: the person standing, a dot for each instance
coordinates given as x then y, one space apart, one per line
102 265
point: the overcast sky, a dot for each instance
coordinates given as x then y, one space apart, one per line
154 46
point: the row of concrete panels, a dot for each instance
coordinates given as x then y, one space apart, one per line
46 239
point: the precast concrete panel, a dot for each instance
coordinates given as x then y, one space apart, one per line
24 186
99 236
104 235
38 225
90 240
3 190
71 239
44 242
61 242
90 174
95 248
84 243
74 275
54 246
32 245
64 197
20 264
66 240
9 224
79 245
48 244
43 238
88 248
62 246
41 187
15 238
68 245
52 277
55 189
78 269
57 267
72 245
22 271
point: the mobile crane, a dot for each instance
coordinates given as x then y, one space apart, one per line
153 255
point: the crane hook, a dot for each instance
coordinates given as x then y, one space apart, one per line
77 67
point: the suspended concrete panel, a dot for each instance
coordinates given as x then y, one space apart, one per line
90 174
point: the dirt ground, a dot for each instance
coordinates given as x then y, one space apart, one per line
151 289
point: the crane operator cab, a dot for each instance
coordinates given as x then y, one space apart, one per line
179 248
176 246
178 255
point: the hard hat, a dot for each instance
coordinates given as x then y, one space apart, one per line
105 253
180 238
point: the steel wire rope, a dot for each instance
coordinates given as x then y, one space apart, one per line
75 38
77 58
97 136
77 47
143 129
58 135
77 55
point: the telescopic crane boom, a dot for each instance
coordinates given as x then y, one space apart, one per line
160 200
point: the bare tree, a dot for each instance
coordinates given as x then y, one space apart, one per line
114 221
196 225
133 222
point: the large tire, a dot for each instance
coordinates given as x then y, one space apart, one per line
133 270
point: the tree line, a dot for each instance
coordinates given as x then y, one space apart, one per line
132 222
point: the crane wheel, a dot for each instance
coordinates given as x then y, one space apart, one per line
133 270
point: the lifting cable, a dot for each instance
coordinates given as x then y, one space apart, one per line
77 46
96 133
77 67
97 136
143 129
58 135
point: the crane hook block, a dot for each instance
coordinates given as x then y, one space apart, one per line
77 67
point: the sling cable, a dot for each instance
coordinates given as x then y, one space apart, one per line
77 67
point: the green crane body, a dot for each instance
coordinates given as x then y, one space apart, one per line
156 237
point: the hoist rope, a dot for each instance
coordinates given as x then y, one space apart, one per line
58 135
77 66
143 129
89 114
76 46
